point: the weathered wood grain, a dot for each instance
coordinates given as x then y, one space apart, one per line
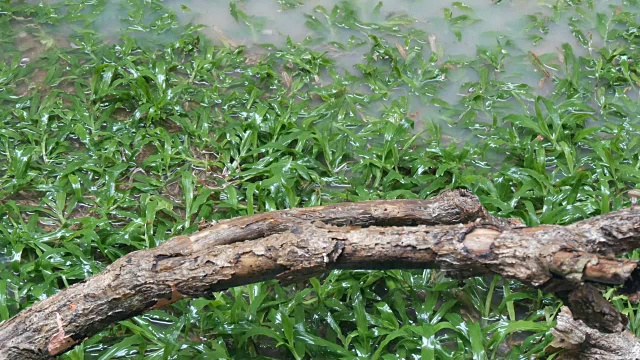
452 232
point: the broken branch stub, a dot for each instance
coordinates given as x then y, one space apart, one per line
452 232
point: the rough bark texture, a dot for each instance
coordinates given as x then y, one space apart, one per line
452 232
579 341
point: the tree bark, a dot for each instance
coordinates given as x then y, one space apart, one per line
452 232
579 341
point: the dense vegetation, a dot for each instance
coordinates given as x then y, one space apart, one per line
115 141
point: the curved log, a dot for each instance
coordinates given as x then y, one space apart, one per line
452 232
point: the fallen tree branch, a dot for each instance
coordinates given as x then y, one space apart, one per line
452 232
579 341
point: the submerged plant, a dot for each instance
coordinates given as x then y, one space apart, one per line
113 140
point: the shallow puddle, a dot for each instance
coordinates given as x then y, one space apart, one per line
479 23
449 31
523 39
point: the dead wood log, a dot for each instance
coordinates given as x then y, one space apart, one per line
577 340
452 232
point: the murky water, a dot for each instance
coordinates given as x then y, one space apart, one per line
274 24
269 23
482 24
452 30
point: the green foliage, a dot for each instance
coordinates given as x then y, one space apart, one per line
114 142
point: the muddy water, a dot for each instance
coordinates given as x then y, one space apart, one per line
272 24
504 21
489 22
276 24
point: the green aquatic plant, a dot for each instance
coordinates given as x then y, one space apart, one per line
115 139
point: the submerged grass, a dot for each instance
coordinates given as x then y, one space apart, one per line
115 142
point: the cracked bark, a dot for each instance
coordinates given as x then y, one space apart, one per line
452 232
